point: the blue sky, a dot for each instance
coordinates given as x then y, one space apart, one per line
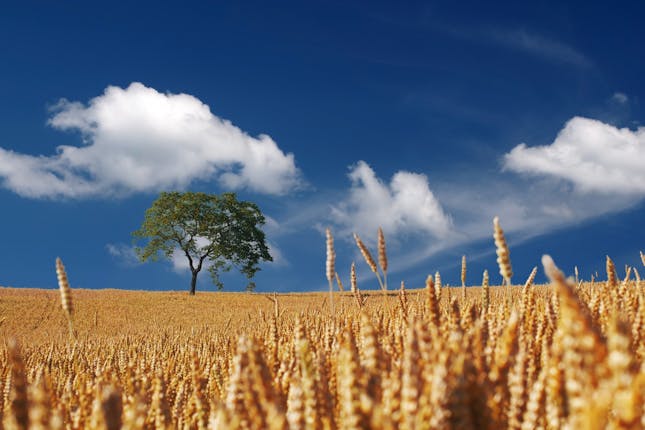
427 118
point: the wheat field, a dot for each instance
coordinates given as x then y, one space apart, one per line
567 355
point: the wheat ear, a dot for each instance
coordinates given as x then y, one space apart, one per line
330 268
65 294
341 287
503 254
368 259
382 255
360 301
611 273
403 301
463 277
352 278
485 292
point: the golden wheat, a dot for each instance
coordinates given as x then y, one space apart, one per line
562 355
503 254
330 270
382 255
463 277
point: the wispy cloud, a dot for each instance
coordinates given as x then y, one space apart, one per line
518 39
124 254
137 139
619 98
538 45
279 259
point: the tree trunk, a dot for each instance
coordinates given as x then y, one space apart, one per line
193 283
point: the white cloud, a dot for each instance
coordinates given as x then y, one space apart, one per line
179 262
279 259
620 98
125 254
404 206
271 225
137 139
594 156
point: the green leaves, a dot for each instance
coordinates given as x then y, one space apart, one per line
216 230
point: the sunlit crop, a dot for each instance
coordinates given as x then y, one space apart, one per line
564 355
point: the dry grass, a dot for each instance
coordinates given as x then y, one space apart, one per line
563 355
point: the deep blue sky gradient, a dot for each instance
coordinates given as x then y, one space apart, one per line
440 88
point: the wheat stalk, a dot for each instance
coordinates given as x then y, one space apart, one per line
403 301
382 256
65 294
437 285
611 273
463 278
503 253
485 292
368 259
358 297
330 269
341 287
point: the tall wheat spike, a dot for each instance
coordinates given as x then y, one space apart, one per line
330 267
485 292
403 301
382 255
433 303
352 278
437 285
65 294
356 292
341 287
463 278
503 254
368 259
611 273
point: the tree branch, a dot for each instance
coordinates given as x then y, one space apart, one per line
190 261
201 260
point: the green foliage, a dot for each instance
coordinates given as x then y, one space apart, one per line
217 230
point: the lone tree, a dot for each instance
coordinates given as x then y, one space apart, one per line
217 230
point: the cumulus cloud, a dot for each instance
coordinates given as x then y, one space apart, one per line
404 206
594 156
137 139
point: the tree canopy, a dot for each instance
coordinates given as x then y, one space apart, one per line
217 231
